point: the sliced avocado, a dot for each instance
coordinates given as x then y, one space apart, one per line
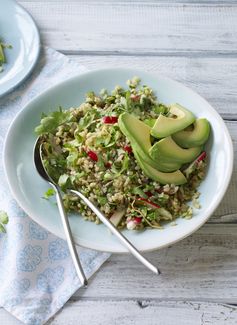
136 131
176 177
166 126
138 134
193 138
168 149
161 165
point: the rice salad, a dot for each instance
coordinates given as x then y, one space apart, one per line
85 149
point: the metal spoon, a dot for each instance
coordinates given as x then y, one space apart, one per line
72 248
40 168
117 233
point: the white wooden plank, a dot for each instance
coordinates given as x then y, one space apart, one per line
202 267
131 312
225 2
227 210
215 78
7 319
135 27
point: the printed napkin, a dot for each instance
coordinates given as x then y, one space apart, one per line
37 275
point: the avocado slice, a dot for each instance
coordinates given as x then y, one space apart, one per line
161 165
138 134
136 131
176 177
168 149
193 138
165 126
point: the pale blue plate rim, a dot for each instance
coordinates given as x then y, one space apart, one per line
38 49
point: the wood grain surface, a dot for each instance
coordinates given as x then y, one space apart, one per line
213 77
136 27
194 42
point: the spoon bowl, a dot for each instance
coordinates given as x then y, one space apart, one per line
38 161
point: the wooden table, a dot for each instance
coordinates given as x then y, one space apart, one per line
194 42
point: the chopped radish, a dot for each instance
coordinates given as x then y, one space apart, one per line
92 155
128 149
148 193
117 216
194 164
110 119
135 98
131 225
147 202
108 164
137 220
202 156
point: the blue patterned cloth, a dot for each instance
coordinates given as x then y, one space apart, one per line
37 276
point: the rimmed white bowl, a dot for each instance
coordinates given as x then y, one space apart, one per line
28 188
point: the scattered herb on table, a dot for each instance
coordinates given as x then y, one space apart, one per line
3 221
3 59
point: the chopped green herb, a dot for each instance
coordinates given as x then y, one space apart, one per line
4 219
49 123
3 59
50 192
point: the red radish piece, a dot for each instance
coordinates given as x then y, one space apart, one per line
137 220
108 164
92 155
201 157
110 119
147 202
128 149
148 193
195 163
131 225
135 98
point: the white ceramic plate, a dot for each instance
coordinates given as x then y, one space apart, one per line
28 188
18 29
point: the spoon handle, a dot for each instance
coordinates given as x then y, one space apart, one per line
68 233
117 233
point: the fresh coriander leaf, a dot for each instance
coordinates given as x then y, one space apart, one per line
102 200
2 228
150 122
49 123
3 217
64 181
85 121
50 192
139 192
2 55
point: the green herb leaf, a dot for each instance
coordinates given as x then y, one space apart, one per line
2 56
139 192
125 163
102 200
49 124
64 181
2 228
50 192
160 109
150 122
3 217
85 121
